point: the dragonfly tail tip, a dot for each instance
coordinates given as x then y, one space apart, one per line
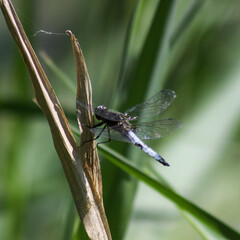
164 163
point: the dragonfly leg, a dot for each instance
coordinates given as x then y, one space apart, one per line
97 125
109 136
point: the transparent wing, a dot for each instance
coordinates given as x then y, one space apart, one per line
151 130
153 106
86 106
156 129
114 135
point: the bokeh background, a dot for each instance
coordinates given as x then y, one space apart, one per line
201 64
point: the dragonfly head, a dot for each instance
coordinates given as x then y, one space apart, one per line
99 111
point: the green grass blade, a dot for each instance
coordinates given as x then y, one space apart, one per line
59 73
186 20
125 53
152 61
212 224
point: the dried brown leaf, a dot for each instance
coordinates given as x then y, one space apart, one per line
81 166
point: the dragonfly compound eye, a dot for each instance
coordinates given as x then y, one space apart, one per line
102 107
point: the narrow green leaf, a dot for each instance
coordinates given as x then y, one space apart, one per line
186 20
59 73
212 224
153 59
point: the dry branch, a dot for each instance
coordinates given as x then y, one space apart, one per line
81 165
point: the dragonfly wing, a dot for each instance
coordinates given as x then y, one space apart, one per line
153 106
156 129
115 135
84 105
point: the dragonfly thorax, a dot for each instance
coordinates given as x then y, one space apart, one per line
111 118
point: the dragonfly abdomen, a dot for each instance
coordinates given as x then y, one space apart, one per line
137 142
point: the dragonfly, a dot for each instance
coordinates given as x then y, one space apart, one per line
126 126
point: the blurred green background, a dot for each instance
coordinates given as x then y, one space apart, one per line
192 47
